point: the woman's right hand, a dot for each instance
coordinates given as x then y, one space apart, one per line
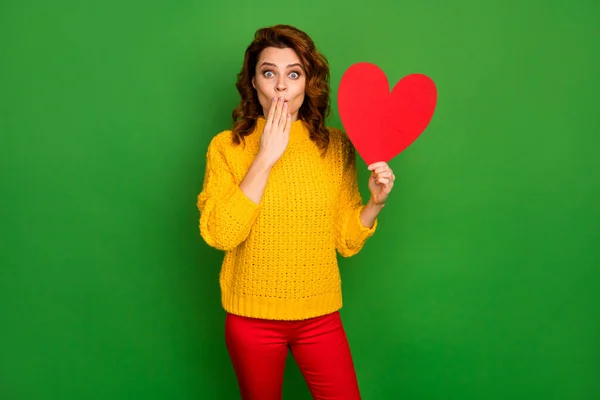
276 133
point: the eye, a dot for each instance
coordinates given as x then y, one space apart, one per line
294 75
267 72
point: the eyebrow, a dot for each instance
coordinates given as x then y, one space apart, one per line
273 65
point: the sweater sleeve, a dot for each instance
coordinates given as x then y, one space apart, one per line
226 213
350 234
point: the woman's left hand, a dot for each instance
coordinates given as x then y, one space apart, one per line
381 182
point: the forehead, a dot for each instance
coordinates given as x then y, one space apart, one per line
279 57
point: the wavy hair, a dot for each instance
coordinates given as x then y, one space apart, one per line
316 106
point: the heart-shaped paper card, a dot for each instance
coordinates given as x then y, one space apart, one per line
381 124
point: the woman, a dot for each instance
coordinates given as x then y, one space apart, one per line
280 197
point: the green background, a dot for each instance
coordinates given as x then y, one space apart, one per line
481 283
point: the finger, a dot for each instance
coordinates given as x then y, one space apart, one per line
387 187
385 174
383 181
382 169
284 113
271 112
376 165
277 116
288 124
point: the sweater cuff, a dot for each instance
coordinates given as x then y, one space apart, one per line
238 207
356 232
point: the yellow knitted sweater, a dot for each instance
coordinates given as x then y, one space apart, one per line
280 255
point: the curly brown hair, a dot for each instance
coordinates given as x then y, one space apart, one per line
316 106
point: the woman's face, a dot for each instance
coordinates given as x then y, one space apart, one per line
279 73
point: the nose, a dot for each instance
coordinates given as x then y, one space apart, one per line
280 86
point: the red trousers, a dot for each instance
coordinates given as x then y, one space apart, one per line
258 350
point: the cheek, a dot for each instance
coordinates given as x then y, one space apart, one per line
300 90
262 86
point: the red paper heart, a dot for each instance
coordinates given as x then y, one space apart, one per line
381 124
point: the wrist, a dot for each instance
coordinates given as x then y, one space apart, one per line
262 162
375 204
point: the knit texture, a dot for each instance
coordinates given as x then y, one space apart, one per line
280 257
